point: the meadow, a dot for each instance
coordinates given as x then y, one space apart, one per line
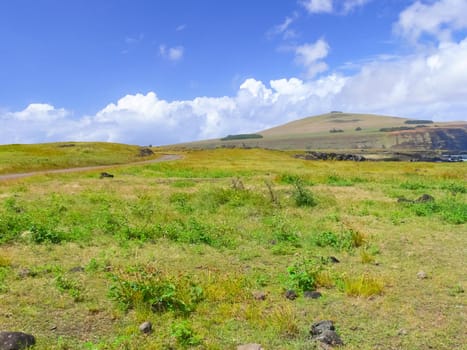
206 247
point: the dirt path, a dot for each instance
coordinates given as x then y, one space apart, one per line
164 158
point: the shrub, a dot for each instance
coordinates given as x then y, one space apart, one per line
302 196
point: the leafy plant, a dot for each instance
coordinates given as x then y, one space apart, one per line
364 285
184 334
72 287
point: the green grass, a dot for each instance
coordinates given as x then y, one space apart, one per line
36 157
187 244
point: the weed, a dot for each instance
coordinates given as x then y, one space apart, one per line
366 257
456 290
148 287
364 285
284 320
336 180
272 194
184 334
42 234
346 240
181 201
303 274
72 287
291 179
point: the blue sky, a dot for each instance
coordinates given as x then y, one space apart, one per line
158 72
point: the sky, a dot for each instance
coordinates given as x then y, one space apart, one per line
168 71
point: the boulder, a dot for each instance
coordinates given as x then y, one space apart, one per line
145 327
291 294
16 340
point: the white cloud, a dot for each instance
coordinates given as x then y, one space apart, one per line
284 29
317 6
349 5
427 85
171 53
181 27
311 55
438 19
328 6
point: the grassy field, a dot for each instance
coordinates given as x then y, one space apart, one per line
192 244
37 157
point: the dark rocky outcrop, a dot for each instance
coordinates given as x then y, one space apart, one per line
291 294
145 152
312 155
16 340
312 294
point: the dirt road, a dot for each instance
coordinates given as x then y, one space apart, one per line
164 158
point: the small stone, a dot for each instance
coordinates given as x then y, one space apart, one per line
145 327
334 260
291 294
250 347
259 295
16 340
312 294
421 275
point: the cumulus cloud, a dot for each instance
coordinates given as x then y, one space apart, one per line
311 55
317 6
438 19
171 53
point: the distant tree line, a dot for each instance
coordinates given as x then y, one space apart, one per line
418 121
242 137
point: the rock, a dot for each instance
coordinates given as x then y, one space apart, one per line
425 198
259 295
334 260
250 347
145 327
291 294
324 331
104 174
321 326
330 338
16 340
421 275
402 332
312 294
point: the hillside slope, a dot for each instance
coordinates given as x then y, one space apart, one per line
357 132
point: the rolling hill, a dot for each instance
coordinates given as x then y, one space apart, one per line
356 133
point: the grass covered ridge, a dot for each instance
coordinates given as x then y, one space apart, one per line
188 244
